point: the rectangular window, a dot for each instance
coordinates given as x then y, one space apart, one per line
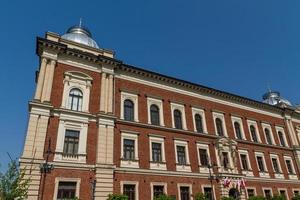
181 155
156 152
283 193
244 162
158 190
225 160
66 190
208 192
184 193
281 139
275 165
250 193
289 166
268 194
129 191
128 149
260 163
71 142
296 192
203 157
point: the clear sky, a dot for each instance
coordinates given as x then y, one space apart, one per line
237 46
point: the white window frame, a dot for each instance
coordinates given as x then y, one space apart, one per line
184 185
254 123
286 192
267 188
77 80
203 169
250 188
187 167
181 108
159 104
63 179
136 183
248 172
154 165
69 124
268 126
281 129
295 189
240 121
277 175
222 118
152 184
208 186
201 112
264 174
134 99
294 175
130 136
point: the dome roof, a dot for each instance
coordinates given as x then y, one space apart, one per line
80 35
274 98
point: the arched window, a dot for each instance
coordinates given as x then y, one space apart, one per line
219 125
198 123
253 133
128 110
281 139
75 99
238 131
177 119
154 114
268 136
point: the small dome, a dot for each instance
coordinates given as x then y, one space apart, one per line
80 35
274 98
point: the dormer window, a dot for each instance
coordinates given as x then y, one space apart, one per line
75 100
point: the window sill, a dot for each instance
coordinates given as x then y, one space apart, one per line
77 158
247 172
293 176
264 174
158 165
130 163
279 175
183 168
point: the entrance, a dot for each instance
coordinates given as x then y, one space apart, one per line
234 193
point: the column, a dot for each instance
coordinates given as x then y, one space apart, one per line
49 81
110 94
102 94
40 82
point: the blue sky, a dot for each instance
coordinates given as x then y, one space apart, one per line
237 46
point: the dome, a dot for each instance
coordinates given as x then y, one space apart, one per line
274 98
80 35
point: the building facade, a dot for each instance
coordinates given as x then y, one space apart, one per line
98 126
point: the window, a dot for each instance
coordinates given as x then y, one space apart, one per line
260 163
181 155
128 110
275 165
238 131
184 193
268 193
296 192
75 100
208 192
244 162
250 192
129 191
158 190
71 142
177 119
219 126
281 139
198 123
289 166
156 152
268 136
154 114
225 160
253 133
128 147
203 157
66 190
283 193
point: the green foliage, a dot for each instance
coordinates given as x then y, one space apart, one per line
117 197
257 198
227 198
200 196
164 197
297 197
13 184
277 197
